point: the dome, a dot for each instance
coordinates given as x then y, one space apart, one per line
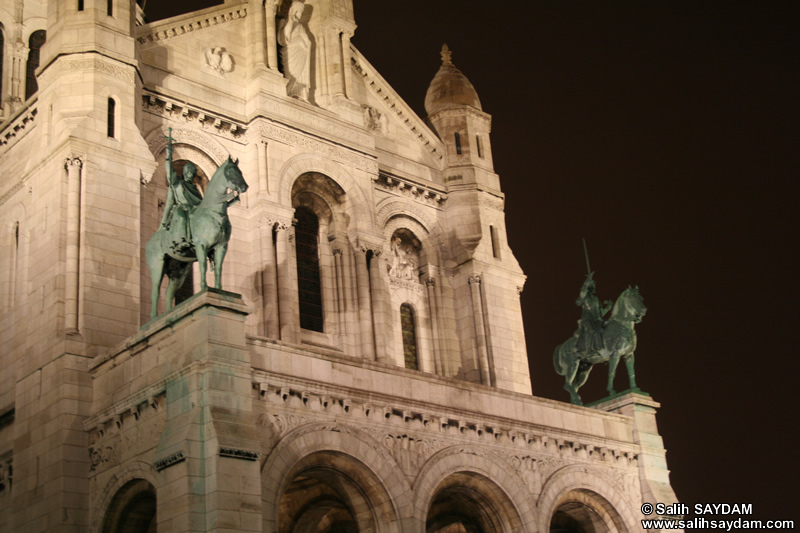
450 87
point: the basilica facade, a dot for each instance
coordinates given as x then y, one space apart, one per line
363 367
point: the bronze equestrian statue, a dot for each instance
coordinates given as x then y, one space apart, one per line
195 227
598 340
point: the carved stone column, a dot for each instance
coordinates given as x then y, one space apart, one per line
263 170
340 299
73 166
259 33
333 39
287 284
272 34
480 329
364 305
380 303
269 284
433 309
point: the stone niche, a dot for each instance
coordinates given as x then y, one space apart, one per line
404 256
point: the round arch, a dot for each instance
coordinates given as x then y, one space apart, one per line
587 499
363 473
191 139
469 473
136 470
355 201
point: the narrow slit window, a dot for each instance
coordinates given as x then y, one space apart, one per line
80 5
110 7
458 143
495 242
409 337
309 286
112 110
478 146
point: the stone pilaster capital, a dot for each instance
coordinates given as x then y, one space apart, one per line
430 281
474 279
73 161
337 251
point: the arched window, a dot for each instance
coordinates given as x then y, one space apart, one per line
308 278
458 143
112 109
35 44
409 336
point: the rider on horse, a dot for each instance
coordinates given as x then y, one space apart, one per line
591 324
182 198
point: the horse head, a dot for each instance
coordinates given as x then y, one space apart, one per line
233 176
629 307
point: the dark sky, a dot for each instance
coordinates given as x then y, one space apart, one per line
666 134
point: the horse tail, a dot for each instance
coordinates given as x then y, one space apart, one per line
558 359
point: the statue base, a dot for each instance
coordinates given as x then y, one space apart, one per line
635 390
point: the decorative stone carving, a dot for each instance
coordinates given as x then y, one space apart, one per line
372 118
218 59
296 53
153 33
166 462
403 259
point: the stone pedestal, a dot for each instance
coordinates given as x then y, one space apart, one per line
653 472
207 454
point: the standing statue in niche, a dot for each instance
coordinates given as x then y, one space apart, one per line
194 227
296 52
598 340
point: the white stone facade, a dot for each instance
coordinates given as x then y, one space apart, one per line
227 414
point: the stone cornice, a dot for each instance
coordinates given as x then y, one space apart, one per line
457 111
174 109
405 114
305 117
279 132
423 194
158 32
17 127
391 415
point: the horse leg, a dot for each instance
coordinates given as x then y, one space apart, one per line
176 283
156 276
613 361
631 374
202 255
569 381
219 254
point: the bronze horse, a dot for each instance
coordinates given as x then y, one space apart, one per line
210 231
619 342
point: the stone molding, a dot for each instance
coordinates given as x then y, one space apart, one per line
274 131
419 193
17 127
292 407
78 64
157 142
173 110
316 120
156 33
101 502
405 115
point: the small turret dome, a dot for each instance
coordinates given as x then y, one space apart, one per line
450 87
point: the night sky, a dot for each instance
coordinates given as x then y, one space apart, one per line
666 134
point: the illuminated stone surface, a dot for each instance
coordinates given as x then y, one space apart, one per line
226 414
